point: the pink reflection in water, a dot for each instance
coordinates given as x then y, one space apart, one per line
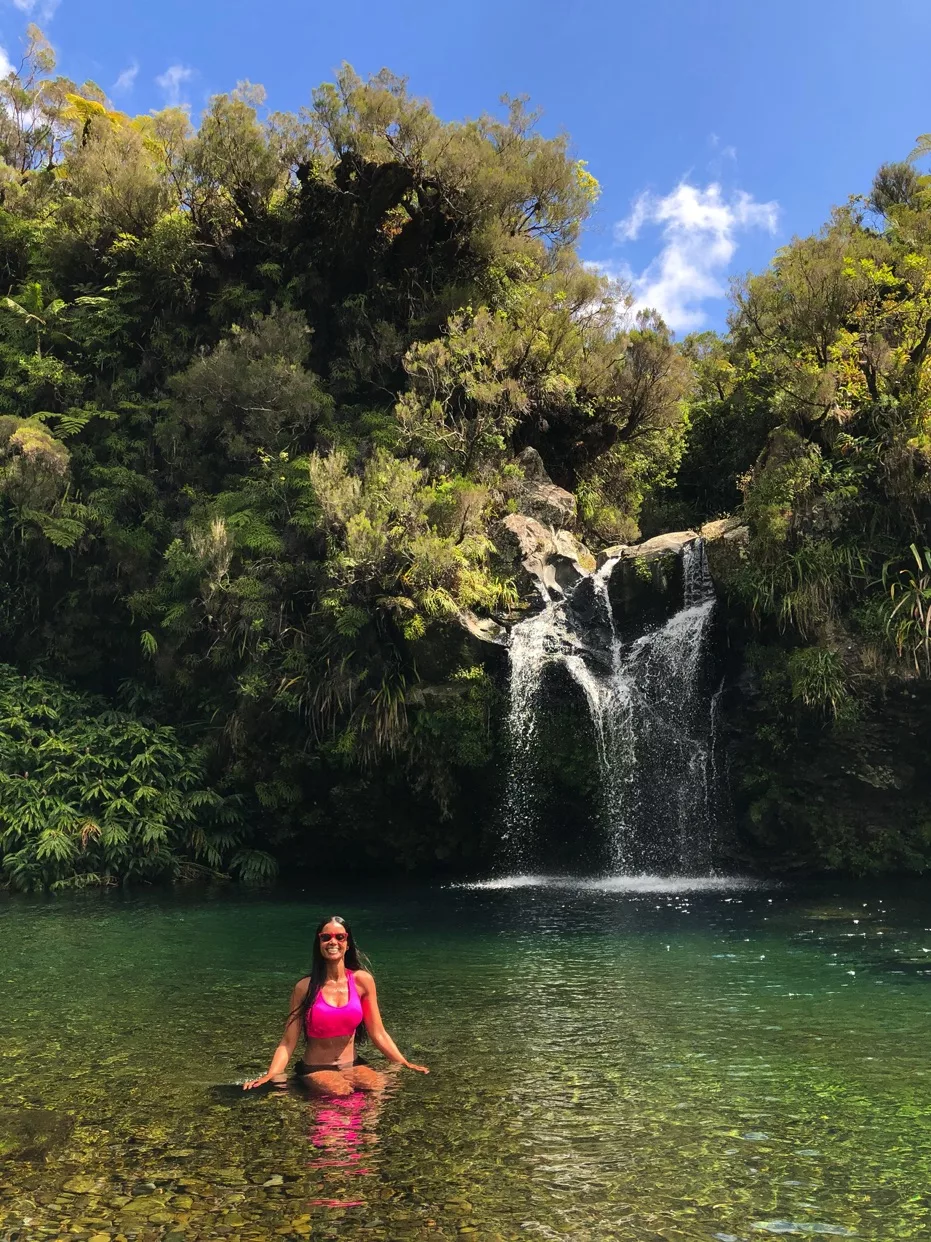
341 1137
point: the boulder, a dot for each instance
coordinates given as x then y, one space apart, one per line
568 546
726 545
719 528
539 497
670 544
615 552
570 562
523 538
555 559
483 628
532 465
32 1133
548 503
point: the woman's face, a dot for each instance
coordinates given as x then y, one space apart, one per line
333 942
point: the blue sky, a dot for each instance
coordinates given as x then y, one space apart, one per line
717 128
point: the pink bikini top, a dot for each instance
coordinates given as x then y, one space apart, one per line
325 1021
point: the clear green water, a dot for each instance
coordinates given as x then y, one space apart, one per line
606 1065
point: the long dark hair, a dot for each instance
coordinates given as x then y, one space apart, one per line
354 960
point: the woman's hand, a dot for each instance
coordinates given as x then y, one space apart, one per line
257 1082
421 1069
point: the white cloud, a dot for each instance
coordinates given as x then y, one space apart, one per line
721 156
171 82
127 79
616 270
43 9
6 65
699 229
727 152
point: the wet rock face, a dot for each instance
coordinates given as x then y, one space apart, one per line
853 797
554 562
32 1133
555 559
667 545
646 584
644 593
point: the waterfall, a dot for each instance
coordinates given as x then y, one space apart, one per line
546 638
653 717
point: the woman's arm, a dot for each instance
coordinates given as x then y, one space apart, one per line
292 1031
375 1027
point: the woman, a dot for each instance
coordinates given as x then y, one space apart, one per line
328 1006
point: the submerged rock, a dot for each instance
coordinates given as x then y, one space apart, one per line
79 1185
142 1204
32 1133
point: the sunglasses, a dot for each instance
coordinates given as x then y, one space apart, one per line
339 936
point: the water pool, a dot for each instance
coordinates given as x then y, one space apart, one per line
624 1060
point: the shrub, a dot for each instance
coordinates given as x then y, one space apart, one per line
92 797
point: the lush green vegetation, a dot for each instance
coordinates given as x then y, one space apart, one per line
89 796
263 384
818 403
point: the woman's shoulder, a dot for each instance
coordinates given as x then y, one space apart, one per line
300 988
365 977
